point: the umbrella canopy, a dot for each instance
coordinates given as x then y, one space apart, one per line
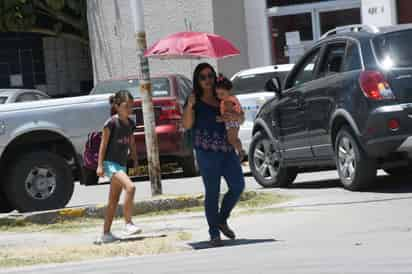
192 45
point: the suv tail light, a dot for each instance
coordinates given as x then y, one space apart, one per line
170 110
374 85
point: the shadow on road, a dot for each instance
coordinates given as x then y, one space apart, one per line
317 184
141 237
135 238
238 242
382 184
392 184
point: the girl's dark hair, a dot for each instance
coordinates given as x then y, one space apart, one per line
196 78
120 97
223 82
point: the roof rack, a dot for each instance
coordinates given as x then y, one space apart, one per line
351 28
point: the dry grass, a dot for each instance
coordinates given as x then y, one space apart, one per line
13 257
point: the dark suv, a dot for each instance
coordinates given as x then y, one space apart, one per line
347 104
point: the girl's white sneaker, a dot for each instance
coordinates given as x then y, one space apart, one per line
131 229
107 238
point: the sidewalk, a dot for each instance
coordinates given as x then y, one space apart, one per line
74 240
173 184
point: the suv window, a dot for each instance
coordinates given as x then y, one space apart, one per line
394 50
306 71
255 82
352 59
333 59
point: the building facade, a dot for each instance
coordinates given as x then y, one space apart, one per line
113 47
293 25
266 31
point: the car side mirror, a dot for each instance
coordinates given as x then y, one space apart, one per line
273 85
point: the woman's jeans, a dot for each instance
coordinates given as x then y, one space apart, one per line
214 165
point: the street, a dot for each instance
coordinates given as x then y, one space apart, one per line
325 229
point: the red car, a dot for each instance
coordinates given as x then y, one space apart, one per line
169 95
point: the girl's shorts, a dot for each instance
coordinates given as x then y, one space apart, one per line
232 124
111 168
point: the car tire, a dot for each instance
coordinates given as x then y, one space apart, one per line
39 181
190 166
356 170
266 165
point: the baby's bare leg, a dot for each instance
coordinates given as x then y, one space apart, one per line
232 136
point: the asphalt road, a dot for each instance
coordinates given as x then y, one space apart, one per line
328 230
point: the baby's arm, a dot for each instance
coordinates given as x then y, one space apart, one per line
229 106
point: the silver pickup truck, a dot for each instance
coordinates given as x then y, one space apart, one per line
41 147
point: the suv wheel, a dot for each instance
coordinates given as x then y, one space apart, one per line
39 181
356 170
266 165
190 167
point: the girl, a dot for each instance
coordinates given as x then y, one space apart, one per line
117 139
230 104
215 156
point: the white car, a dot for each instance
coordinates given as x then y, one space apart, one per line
249 88
8 96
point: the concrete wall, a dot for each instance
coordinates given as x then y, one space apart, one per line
229 21
67 63
112 41
379 12
258 33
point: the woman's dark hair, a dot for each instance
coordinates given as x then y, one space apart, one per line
119 97
223 82
196 78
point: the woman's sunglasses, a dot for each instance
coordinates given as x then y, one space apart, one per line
204 77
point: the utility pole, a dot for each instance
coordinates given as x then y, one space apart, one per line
152 146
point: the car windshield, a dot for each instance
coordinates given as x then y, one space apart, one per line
255 82
160 87
3 100
393 49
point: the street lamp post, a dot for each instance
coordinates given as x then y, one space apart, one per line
146 93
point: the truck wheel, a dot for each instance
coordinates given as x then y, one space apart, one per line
356 170
190 167
39 181
266 165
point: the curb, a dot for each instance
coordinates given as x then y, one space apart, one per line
98 211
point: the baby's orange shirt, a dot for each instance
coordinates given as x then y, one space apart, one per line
232 99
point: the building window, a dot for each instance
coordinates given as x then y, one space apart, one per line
289 23
404 11
279 3
21 58
332 19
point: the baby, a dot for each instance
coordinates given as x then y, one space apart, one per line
230 104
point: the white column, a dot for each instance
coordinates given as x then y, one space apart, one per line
258 33
379 12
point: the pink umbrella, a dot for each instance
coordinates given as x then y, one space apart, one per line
192 45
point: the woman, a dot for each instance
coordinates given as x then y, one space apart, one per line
215 156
